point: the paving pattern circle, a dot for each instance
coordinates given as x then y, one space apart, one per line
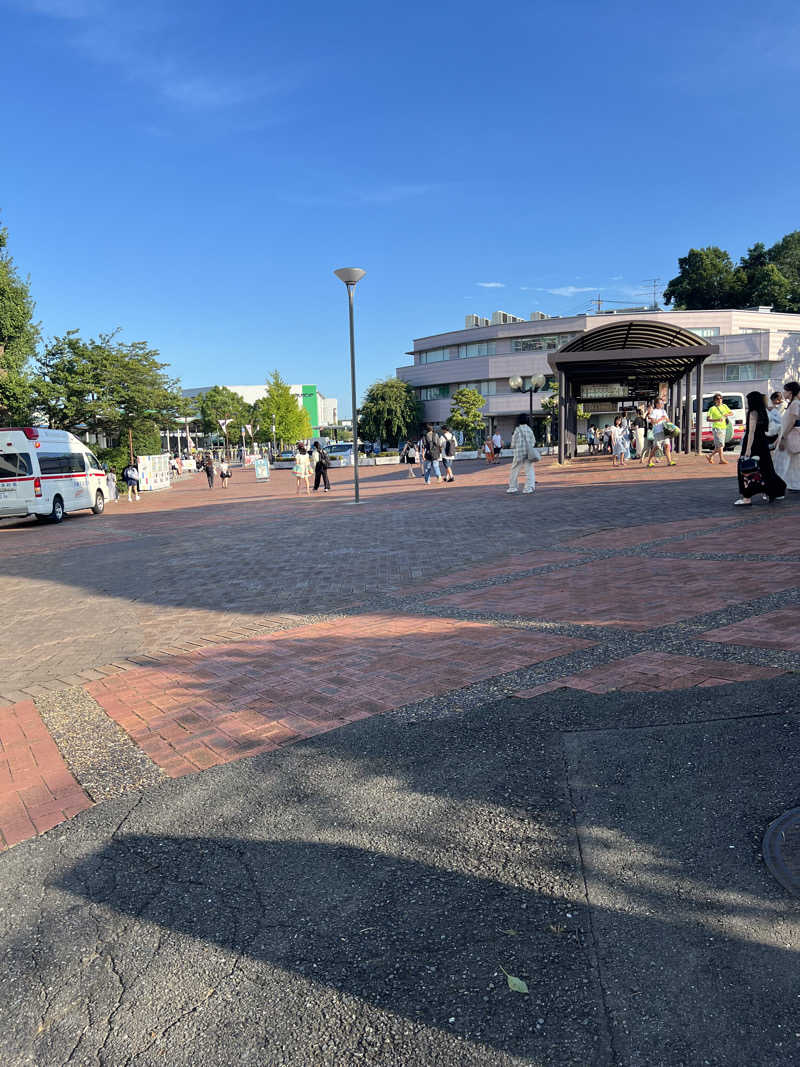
781 850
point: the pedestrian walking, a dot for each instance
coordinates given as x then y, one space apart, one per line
775 410
130 476
718 416
320 464
525 454
497 445
431 453
208 467
302 468
658 420
638 432
618 444
787 447
224 473
410 453
111 485
591 440
755 471
488 451
448 453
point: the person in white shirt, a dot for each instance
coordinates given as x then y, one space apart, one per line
497 444
658 418
775 411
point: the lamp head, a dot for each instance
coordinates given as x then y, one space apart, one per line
515 383
349 275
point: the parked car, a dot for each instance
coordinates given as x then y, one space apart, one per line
287 456
48 473
343 451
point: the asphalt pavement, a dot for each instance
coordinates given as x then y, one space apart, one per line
360 897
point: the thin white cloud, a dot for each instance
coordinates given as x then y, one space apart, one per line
569 290
123 37
617 277
491 285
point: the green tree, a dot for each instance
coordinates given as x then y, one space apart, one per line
105 386
292 422
19 336
466 408
785 255
705 280
390 411
222 403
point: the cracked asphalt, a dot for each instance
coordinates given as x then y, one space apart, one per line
353 898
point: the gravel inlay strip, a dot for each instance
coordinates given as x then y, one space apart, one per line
99 753
781 850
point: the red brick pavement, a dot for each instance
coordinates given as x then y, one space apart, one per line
775 629
631 536
480 572
37 790
635 592
220 704
774 535
653 671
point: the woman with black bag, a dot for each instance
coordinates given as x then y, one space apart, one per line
755 470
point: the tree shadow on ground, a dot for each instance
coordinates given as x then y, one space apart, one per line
372 881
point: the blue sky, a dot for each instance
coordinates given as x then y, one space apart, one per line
194 171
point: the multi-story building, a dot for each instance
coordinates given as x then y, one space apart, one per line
758 350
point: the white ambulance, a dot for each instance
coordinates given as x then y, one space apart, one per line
48 473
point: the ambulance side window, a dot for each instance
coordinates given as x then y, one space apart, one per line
77 463
15 465
52 463
94 462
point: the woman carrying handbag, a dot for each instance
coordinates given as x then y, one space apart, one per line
755 471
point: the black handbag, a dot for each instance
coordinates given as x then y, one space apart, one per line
752 475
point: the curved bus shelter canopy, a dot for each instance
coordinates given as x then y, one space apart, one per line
625 362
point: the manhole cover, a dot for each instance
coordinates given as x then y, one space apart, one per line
781 849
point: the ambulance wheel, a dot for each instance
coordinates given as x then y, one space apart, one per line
99 504
57 514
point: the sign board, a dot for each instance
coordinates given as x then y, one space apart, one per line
154 472
604 390
261 466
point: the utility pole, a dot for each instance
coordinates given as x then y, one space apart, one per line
652 283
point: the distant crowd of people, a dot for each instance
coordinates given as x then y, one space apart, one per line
647 435
768 463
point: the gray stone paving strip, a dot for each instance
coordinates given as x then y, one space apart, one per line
101 756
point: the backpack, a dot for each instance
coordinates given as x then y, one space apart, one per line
449 446
323 458
432 449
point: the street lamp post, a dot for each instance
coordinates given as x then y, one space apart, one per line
534 384
351 276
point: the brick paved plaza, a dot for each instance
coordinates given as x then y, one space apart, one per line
567 716
212 625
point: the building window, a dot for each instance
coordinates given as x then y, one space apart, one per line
747 372
752 329
541 342
478 348
707 331
434 392
484 388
